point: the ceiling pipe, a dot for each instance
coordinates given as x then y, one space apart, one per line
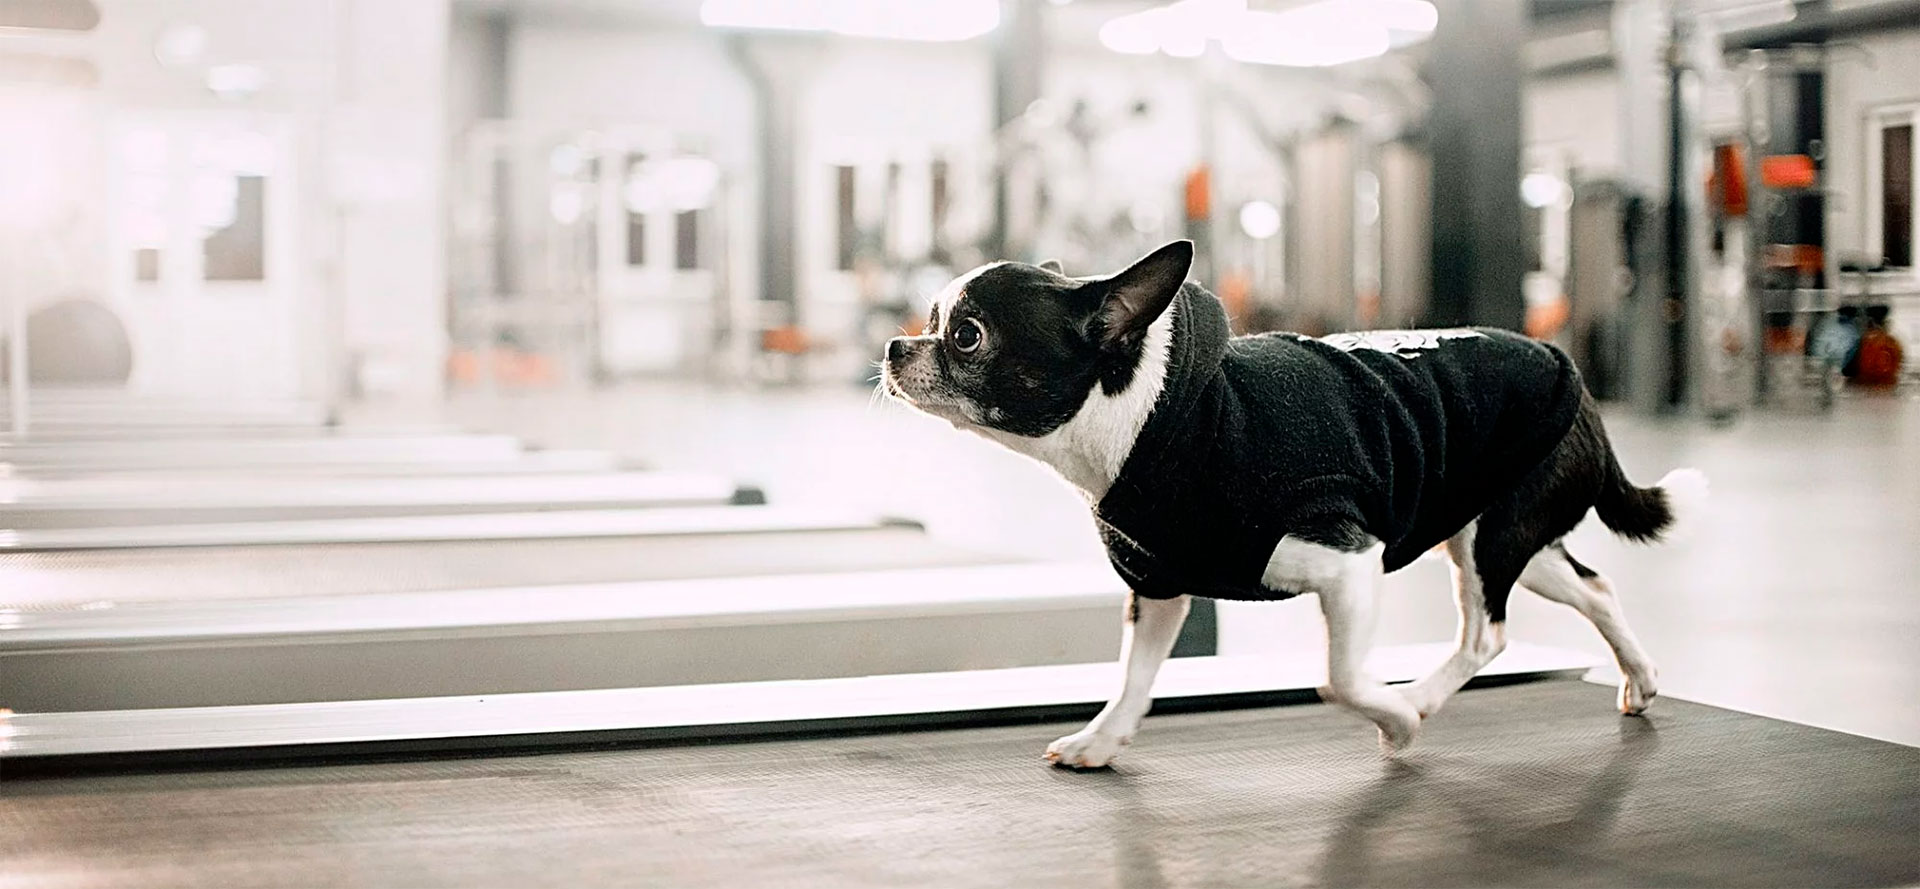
1819 25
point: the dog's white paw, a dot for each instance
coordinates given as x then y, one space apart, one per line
1086 750
1397 733
1636 692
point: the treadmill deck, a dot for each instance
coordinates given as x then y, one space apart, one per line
71 579
1539 784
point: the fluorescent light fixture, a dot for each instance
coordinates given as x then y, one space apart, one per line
238 81
1135 34
1327 32
1415 16
1313 36
943 21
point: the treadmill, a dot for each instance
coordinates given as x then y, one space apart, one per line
1533 784
185 453
163 499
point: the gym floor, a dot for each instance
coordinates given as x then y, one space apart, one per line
1798 598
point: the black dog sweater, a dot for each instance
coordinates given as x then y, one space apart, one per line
1407 435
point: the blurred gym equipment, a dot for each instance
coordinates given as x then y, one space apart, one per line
31 504
74 342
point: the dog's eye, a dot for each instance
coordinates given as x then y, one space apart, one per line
968 335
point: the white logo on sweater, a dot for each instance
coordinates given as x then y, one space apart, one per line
1404 343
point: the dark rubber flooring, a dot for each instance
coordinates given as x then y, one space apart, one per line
1528 785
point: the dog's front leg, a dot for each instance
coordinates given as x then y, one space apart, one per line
1349 587
1145 641
1343 565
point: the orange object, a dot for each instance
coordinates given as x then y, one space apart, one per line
788 340
1787 171
1236 294
1727 184
1199 196
1880 358
1366 307
1545 320
1785 341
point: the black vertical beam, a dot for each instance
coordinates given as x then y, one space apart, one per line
1677 253
1474 135
1017 50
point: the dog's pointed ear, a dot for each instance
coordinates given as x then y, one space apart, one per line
1053 265
1136 297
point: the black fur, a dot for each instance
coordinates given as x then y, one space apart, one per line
1579 567
1346 537
1073 334
1580 474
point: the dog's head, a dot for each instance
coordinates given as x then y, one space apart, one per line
1018 348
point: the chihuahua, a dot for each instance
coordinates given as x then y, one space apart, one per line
1262 467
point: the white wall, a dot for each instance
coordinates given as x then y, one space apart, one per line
360 86
586 76
1575 119
386 151
867 104
1854 89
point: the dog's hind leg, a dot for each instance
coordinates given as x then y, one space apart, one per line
1556 575
1151 628
1479 639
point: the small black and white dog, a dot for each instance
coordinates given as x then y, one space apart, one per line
1261 467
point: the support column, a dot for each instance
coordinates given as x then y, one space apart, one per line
777 66
1017 51
1474 136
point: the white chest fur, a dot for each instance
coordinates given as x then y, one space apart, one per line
1089 449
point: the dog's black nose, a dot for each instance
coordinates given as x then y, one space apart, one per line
897 349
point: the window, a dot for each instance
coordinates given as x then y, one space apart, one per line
847 225
636 220
237 251
1896 195
686 254
1888 235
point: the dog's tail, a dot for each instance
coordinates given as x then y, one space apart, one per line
1649 515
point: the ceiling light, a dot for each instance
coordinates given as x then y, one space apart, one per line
1259 219
947 20
1327 32
1311 36
236 81
1133 34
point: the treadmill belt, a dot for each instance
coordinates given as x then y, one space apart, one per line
1527 785
45 580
